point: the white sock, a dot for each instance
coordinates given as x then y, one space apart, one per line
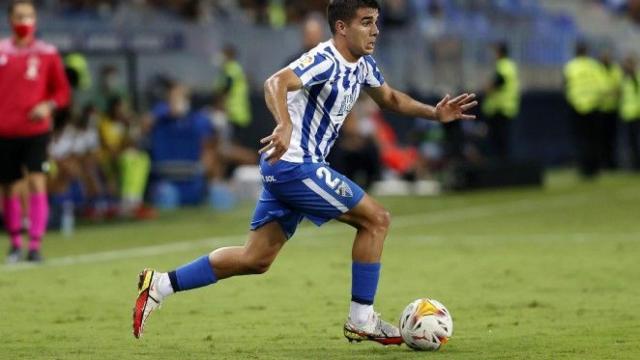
163 285
360 313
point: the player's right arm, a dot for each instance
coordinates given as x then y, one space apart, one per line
275 94
445 111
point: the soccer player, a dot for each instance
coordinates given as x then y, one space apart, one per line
309 100
33 84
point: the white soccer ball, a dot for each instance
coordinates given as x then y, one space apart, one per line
426 324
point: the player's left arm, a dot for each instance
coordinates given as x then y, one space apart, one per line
445 111
58 84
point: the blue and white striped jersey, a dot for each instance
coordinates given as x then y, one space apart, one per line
331 86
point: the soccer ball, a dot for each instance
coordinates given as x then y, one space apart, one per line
426 324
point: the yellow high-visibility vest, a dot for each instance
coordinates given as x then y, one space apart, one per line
237 101
612 77
584 84
505 99
630 100
79 63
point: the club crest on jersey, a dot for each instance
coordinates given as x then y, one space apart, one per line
306 61
33 63
347 104
344 190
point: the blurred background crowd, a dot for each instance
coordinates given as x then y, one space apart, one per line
168 108
283 12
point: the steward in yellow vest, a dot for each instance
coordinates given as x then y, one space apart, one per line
584 91
630 109
502 103
235 89
609 105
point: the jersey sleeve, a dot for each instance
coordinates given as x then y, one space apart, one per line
58 88
312 69
373 77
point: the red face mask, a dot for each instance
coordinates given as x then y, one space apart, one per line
24 30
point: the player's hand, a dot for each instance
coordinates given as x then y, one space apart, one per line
41 111
278 141
449 109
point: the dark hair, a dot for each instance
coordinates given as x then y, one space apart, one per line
582 49
502 48
14 3
230 51
112 105
345 10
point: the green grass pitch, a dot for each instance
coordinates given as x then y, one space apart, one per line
527 274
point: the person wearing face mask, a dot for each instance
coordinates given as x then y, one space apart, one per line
181 143
33 84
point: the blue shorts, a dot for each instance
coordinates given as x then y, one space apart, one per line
293 191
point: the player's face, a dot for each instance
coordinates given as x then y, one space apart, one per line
362 32
23 14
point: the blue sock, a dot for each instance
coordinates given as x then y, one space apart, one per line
364 282
193 275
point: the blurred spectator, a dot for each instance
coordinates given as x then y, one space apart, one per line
86 148
634 10
227 154
395 13
502 103
64 165
110 86
313 31
125 167
79 64
609 105
233 87
182 139
630 108
312 34
80 78
584 90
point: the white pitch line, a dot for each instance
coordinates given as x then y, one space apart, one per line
143 251
430 218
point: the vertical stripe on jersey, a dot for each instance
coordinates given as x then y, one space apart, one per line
374 68
309 112
332 140
346 83
325 122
